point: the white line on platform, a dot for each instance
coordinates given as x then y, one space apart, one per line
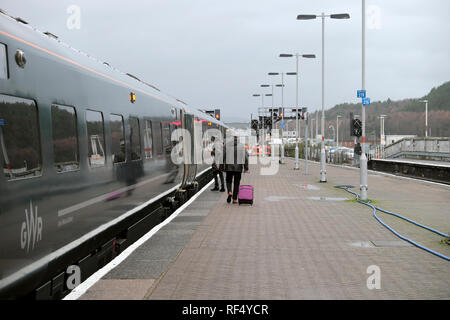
89 282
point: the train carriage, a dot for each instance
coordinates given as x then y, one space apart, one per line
86 153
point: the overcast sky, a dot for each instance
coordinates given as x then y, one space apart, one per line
215 54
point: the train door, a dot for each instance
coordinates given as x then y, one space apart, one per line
188 149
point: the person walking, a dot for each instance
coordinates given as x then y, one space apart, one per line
216 171
235 161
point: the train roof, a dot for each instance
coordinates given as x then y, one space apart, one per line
126 79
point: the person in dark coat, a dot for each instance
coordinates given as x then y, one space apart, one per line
216 171
235 161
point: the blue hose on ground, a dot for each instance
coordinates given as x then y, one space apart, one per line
346 188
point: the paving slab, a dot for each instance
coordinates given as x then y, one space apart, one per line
301 239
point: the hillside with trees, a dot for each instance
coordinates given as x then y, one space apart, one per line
403 117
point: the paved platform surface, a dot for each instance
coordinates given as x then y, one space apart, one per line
300 240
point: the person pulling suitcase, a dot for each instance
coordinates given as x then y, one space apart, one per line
235 161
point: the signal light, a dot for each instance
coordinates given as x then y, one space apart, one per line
217 114
355 126
132 97
254 124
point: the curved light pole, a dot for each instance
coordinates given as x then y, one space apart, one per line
296 55
323 172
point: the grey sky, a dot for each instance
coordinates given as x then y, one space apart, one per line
213 53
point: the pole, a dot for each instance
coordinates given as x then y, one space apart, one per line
323 172
272 153
426 118
337 134
317 124
296 117
263 126
282 118
363 159
384 140
306 144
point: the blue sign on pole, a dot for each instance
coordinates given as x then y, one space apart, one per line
2 122
366 102
283 125
361 94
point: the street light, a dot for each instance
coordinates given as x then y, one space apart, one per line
334 131
426 117
296 55
282 106
323 173
382 136
263 117
363 175
272 95
337 130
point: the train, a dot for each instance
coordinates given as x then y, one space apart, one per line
86 153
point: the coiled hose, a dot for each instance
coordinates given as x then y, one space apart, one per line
346 188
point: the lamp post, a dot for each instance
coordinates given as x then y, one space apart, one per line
317 125
334 138
272 115
273 111
282 106
323 173
382 136
363 179
296 55
426 117
263 118
337 130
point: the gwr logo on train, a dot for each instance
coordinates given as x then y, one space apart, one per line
31 230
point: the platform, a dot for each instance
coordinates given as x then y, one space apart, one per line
300 240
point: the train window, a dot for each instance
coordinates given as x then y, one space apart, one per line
148 140
117 138
19 138
135 139
65 138
166 134
157 136
96 138
3 62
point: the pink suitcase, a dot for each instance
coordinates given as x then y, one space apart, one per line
245 194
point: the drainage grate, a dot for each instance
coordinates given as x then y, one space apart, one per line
391 243
326 199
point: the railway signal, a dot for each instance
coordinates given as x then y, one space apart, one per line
217 114
355 126
254 124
